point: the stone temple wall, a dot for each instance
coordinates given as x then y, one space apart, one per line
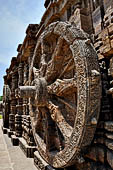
95 17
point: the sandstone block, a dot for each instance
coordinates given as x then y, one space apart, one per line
109 126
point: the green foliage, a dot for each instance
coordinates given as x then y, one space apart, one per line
1 97
0 116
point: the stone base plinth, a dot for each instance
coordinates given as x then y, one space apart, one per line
9 133
14 140
39 162
4 130
28 150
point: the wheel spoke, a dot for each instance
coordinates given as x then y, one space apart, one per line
69 104
54 66
68 65
58 47
63 87
52 137
57 116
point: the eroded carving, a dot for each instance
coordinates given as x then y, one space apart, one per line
64 94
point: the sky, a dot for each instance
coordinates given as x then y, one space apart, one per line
15 16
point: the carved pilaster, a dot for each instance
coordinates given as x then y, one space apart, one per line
13 100
20 74
6 104
26 73
12 115
18 118
19 106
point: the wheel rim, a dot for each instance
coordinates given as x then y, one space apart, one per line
64 112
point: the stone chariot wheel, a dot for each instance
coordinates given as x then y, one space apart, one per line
65 90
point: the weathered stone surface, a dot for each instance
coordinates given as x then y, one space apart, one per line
109 135
58 60
14 140
6 101
28 150
109 126
9 133
110 158
109 144
58 76
4 130
39 162
97 19
96 153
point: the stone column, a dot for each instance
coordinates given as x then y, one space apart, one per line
6 105
26 73
19 106
30 59
13 100
27 129
81 16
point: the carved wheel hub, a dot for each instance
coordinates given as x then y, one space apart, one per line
66 90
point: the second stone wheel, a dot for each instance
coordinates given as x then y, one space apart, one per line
66 90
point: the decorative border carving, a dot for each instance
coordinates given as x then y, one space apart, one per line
88 93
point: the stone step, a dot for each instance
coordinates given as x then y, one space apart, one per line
14 140
28 150
9 133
